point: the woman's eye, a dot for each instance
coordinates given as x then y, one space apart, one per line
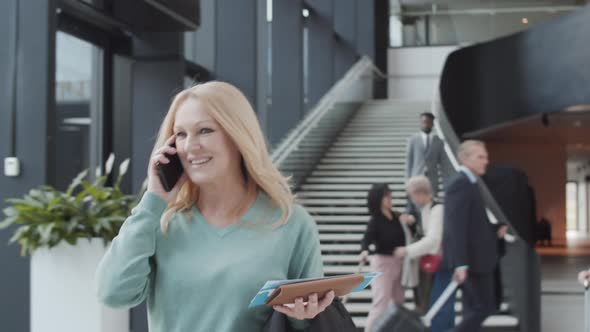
180 135
205 131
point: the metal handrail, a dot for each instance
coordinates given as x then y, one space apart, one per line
294 137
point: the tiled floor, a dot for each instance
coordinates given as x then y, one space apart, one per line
562 299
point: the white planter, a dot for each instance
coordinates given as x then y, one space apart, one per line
63 291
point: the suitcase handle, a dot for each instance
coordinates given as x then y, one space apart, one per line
438 304
586 305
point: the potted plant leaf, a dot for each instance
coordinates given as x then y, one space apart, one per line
66 233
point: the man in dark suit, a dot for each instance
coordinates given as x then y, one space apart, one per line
470 246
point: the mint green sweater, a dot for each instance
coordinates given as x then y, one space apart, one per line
201 278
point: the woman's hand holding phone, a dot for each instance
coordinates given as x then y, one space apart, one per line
154 183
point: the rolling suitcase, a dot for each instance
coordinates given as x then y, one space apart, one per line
399 319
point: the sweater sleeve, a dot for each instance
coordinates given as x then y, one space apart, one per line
306 261
123 276
458 202
431 241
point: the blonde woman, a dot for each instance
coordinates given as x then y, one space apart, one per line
200 252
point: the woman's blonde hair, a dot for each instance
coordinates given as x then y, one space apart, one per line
232 111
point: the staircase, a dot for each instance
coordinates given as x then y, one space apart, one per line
370 149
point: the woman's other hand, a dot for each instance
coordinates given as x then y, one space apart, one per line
399 252
583 277
313 308
364 256
502 231
407 219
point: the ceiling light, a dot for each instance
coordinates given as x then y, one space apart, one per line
578 108
525 20
305 12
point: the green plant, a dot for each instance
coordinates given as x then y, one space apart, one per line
47 216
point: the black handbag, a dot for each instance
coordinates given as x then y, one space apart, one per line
334 318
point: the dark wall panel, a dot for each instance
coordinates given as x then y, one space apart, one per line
156 76
321 49
287 68
34 98
345 21
235 38
381 38
7 65
155 84
365 28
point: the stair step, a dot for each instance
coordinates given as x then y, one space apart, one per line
341 259
341 201
368 148
341 237
386 161
365 295
358 173
340 269
354 308
351 210
340 248
342 228
368 180
385 125
338 186
342 194
373 133
502 321
360 167
388 120
342 219
363 138
367 157
387 144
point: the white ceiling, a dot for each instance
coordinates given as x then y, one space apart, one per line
483 4
488 3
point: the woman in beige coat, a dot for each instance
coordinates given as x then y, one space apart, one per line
420 192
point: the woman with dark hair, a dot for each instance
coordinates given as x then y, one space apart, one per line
386 232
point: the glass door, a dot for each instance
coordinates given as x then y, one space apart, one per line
78 112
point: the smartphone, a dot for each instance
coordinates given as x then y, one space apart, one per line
171 172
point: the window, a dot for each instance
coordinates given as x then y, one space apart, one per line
571 206
467 22
79 108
